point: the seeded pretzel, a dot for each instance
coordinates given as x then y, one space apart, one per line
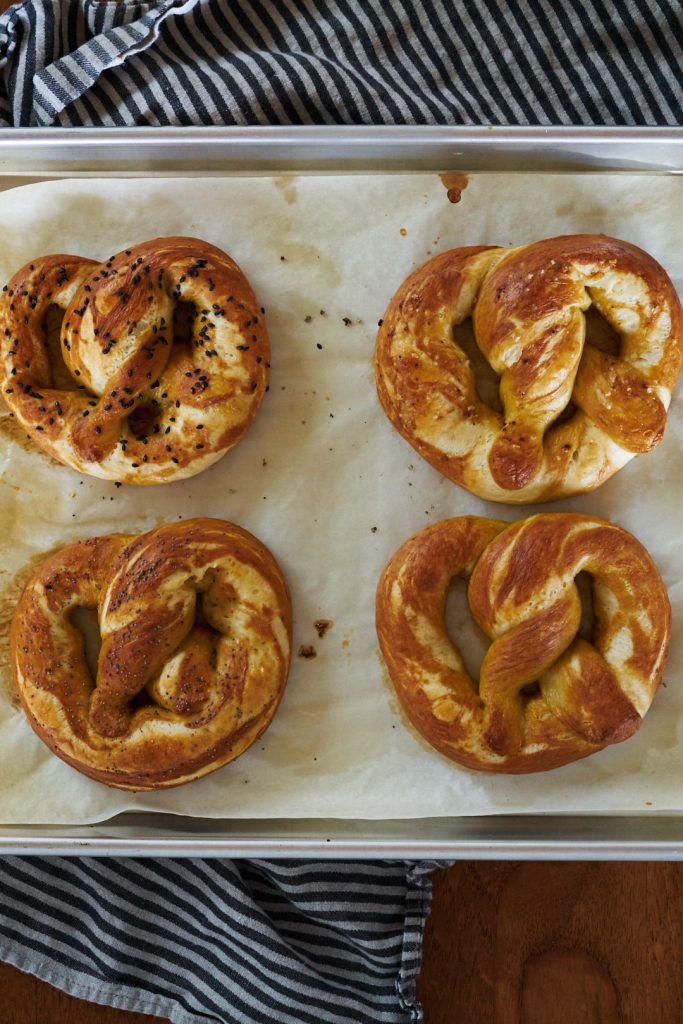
136 407
572 414
195 620
546 696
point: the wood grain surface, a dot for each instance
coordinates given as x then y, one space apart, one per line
506 944
555 944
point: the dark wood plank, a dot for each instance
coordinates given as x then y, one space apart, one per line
25 1000
555 944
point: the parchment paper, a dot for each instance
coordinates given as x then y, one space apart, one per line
327 484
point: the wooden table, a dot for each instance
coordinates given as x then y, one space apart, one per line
506 944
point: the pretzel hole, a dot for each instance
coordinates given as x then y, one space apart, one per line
584 585
183 323
462 630
52 326
141 700
486 380
85 620
143 418
565 415
600 334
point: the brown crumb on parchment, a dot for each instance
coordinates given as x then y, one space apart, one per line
322 626
307 651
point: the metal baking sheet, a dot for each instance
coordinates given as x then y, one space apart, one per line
38 155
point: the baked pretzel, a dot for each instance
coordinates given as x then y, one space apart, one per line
135 407
195 620
546 696
572 414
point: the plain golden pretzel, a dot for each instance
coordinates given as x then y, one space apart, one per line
546 696
138 408
195 620
572 414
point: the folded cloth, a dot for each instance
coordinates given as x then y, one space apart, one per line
188 62
209 941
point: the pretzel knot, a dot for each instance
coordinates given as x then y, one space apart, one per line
132 403
195 621
572 408
546 695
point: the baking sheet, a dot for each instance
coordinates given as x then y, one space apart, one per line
327 484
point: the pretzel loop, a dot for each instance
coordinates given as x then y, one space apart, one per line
195 621
572 414
140 405
546 695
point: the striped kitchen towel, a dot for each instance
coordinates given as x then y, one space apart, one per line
189 62
221 942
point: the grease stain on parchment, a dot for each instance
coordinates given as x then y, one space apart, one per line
287 187
455 184
15 433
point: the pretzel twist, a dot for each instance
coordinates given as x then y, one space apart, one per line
572 414
195 620
135 407
546 695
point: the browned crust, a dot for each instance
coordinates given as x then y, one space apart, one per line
584 703
117 341
427 388
219 704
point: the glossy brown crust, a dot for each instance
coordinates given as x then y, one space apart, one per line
196 621
522 594
142 409
527 307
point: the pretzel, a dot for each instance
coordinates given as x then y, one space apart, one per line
138 408
545 696
572 414
195 620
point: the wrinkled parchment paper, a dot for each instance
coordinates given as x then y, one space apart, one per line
327 484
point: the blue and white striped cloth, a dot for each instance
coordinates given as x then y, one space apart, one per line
187 62
222 942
